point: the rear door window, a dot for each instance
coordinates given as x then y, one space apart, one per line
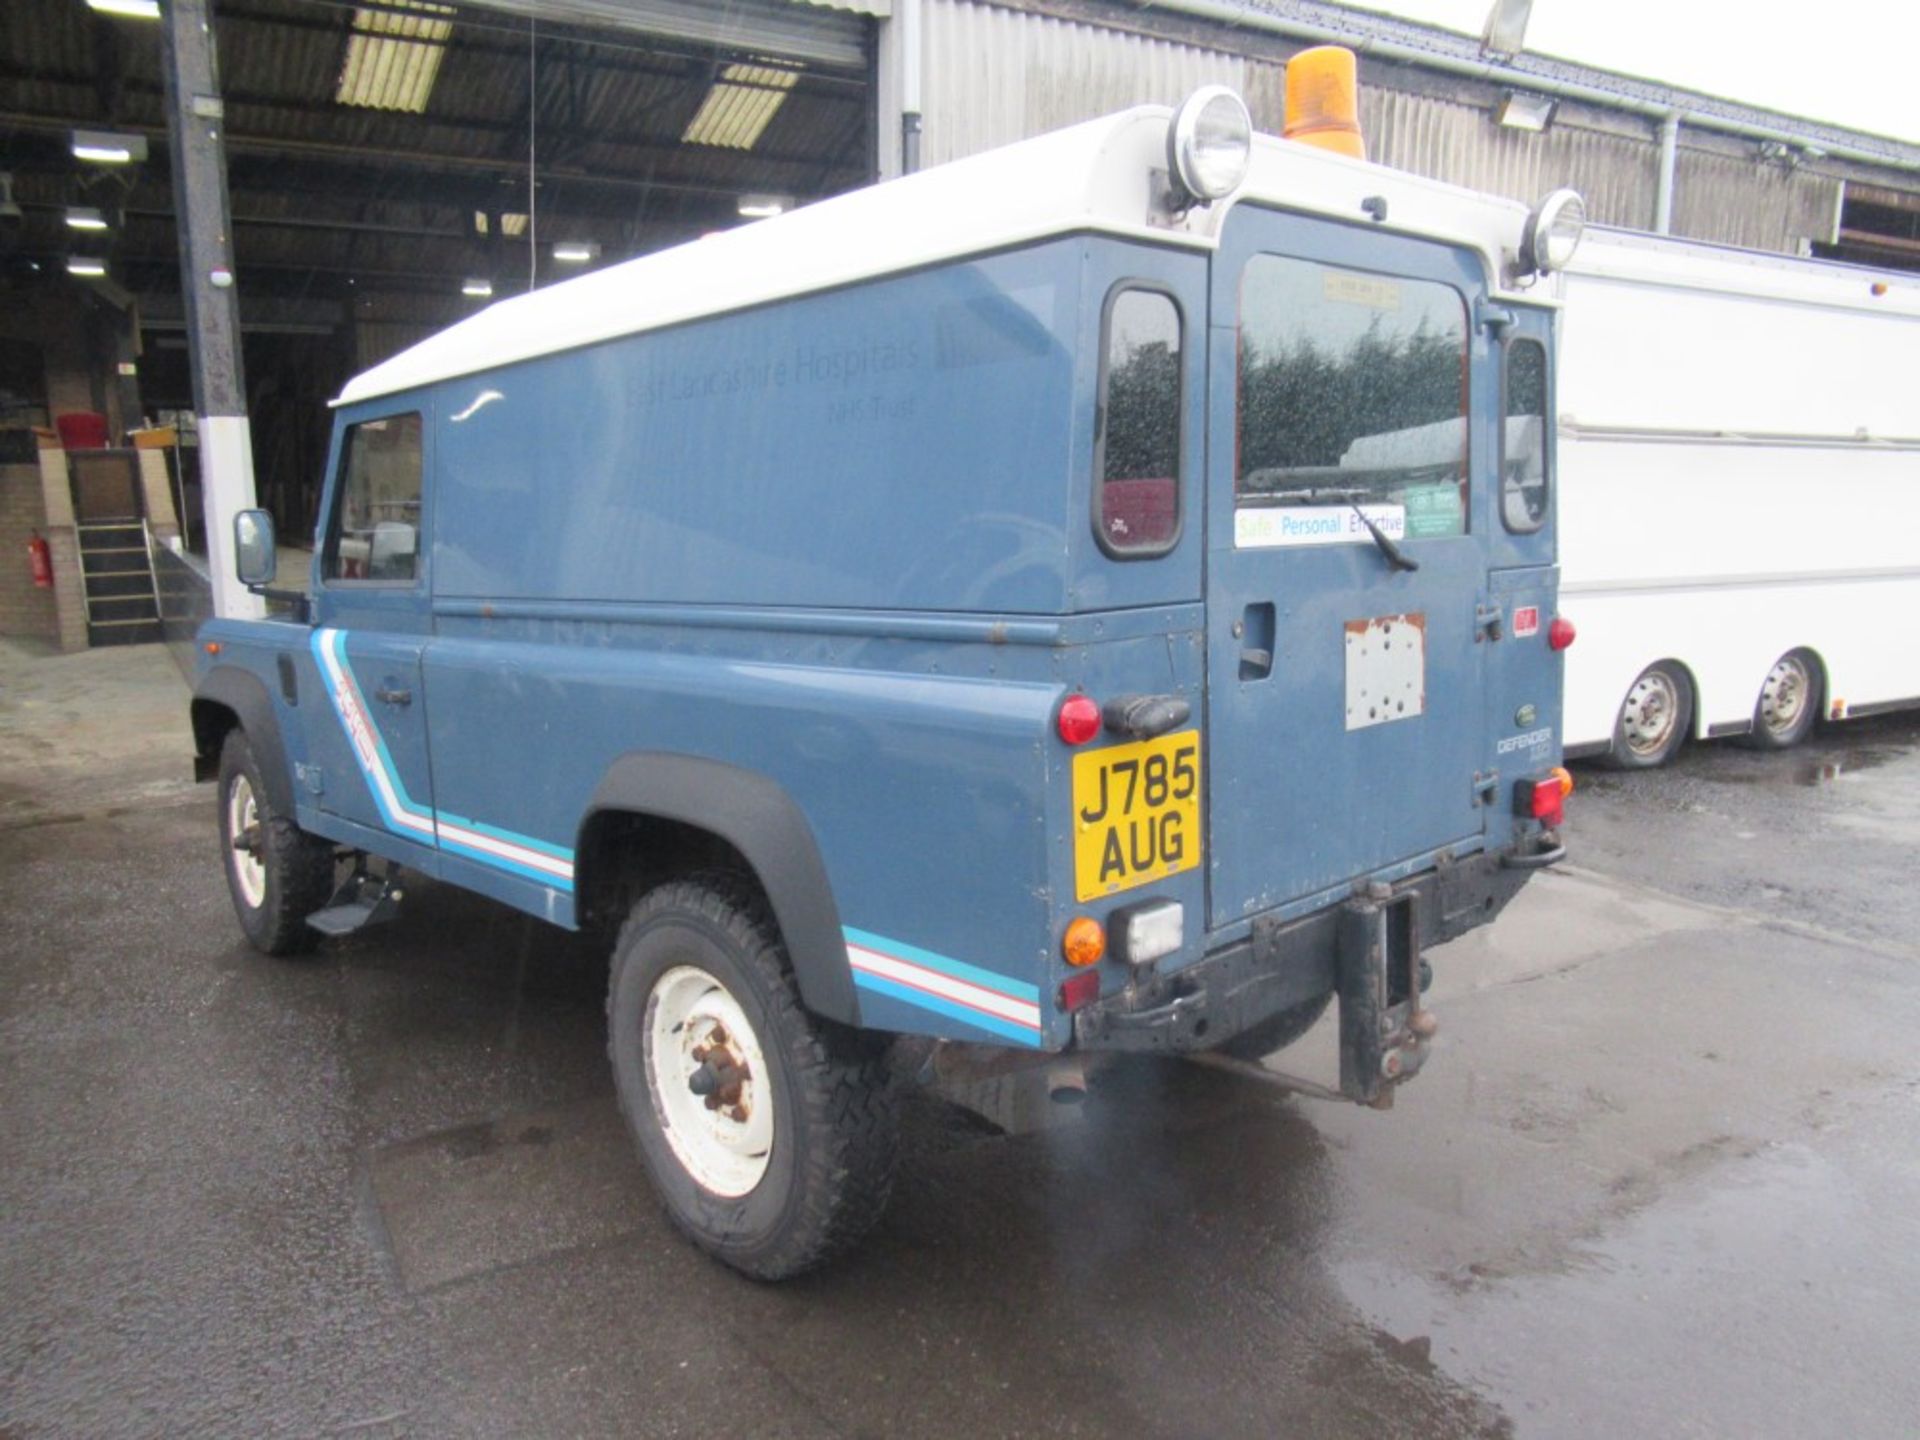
376 537
1137 479
1523 438
1353 390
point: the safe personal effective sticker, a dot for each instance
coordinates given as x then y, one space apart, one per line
1263 528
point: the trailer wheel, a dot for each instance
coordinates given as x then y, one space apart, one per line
1277 1032
1653 719
769 1134
1789 703
277 873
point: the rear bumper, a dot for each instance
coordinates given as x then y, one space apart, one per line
1286 964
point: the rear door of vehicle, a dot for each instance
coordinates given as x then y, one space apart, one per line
1346 707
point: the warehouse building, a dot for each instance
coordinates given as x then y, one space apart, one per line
393 165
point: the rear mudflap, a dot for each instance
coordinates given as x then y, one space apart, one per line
1385 1031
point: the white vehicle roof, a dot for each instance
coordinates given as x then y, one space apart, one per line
1095 176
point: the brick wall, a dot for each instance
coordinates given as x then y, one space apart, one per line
25 609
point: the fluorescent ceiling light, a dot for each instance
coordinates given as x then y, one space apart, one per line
513 225
84 217
131 9
109 147
758 207
479 289
1518 110
577 252
739 106
393 57
84 265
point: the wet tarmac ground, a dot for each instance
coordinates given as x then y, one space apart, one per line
1662 1178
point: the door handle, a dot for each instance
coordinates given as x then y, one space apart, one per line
1255 633
391 696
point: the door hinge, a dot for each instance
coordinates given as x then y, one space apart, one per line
1487 623
1486 786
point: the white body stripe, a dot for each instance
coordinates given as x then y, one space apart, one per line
961 992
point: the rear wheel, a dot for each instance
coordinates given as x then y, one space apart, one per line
1789 703
1279 1031
1653 718
769 1134
277 873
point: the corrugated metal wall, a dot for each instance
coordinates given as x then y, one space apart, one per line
995 75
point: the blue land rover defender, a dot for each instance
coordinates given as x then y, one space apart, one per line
1095 596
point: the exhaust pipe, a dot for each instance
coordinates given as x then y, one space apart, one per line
1067 1081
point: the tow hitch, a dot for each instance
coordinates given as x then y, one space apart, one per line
1385 1032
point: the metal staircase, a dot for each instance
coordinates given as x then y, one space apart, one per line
117 575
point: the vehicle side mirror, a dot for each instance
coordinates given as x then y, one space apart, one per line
255 557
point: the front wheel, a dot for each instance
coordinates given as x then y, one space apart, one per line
277 873
1789 703
769 1134
1653 718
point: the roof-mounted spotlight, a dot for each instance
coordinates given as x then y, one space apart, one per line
109 147
1209 145
1553 232
1518 110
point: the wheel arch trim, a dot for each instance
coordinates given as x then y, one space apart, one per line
760 820
241 693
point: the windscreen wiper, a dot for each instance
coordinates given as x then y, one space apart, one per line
1396 557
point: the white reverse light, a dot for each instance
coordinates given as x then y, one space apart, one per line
1150 932
1210 143
1553 232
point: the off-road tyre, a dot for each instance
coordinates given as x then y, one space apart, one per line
296 867
1798 675
1277 1032
829 1169
1640 743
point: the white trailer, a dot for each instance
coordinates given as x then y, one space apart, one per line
1739 461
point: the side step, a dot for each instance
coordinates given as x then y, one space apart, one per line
362 901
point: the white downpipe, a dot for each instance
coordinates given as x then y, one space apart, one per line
907 17
1669 158
226 486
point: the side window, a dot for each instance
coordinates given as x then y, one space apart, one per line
1523 438
1353 391
376 532
1137 454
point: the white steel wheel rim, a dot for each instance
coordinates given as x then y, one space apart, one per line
725 1149
243 820
1783 699
1651 710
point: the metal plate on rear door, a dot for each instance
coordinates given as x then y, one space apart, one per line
1386 669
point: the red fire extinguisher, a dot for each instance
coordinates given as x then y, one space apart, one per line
41 557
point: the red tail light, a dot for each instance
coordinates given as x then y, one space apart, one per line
1079 719
1560 633
1542 800
1080 991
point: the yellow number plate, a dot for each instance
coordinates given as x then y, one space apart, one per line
1136 813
